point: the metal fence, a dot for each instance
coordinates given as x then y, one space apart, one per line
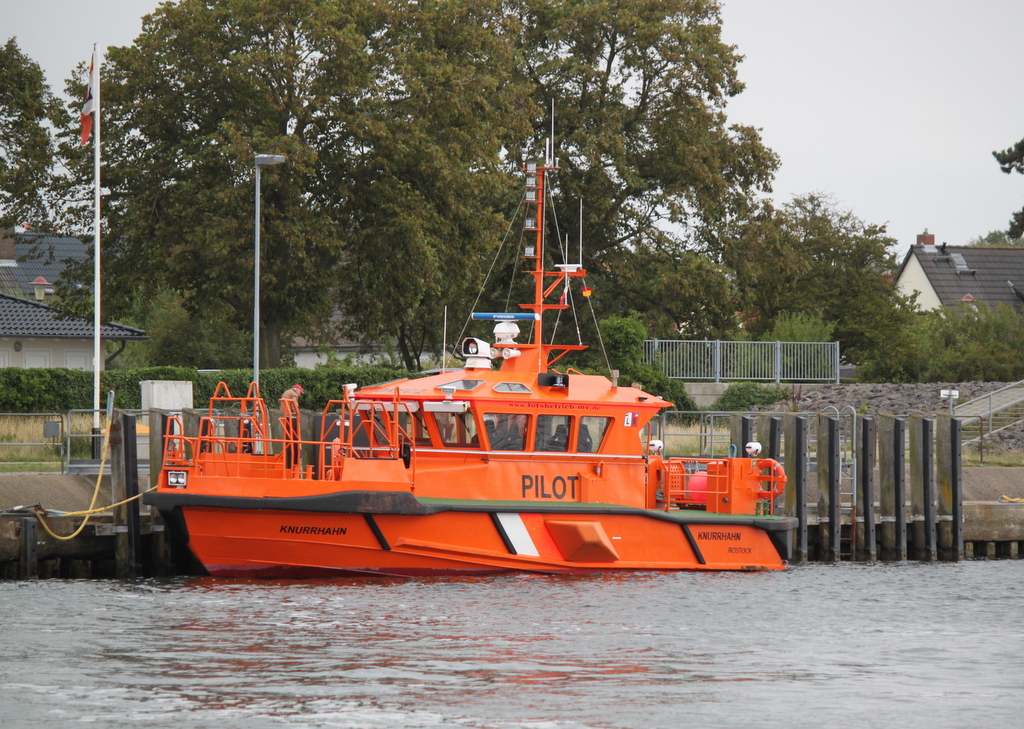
32 441
717 360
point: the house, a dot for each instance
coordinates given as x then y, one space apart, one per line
34 335
948 276
31 262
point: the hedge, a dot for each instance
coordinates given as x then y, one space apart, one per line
57 390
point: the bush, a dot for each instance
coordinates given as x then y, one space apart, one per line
744 396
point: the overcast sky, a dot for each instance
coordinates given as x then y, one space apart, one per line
892 107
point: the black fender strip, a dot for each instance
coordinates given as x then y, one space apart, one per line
340 502
783 543
503 534
372 523
693 544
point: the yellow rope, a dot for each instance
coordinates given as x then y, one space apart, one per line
40 512
1011 500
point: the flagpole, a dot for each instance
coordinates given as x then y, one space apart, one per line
97 349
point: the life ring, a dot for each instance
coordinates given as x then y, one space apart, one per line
778 479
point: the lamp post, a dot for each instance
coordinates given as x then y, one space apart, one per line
261 159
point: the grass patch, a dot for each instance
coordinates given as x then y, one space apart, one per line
21 438
30 467
1009 459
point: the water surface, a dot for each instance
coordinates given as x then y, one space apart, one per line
902 645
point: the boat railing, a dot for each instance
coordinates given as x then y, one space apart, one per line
730 485
234 445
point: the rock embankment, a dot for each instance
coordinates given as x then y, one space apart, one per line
885 399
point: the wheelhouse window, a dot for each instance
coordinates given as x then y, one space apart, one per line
460 385
517 388
552 433
592 432
506 431
414 427
457 430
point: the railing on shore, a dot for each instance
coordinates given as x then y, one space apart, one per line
717 360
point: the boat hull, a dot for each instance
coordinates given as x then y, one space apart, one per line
388 533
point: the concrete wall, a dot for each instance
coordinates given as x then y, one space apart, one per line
705 394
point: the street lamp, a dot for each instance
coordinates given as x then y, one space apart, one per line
261 159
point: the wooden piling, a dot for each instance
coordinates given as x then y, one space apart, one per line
794 502
931 551
124 483
28 551
922 489
892 496
865 539
741 429
949 474
130 511
775 438
829 504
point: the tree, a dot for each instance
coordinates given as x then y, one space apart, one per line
798 326
26 146
1012 160
640 90
972 343
995 238
391 114
428 190
178 339
812 257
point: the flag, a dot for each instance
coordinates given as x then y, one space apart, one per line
89 107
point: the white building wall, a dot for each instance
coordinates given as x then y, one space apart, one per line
914 279
74 354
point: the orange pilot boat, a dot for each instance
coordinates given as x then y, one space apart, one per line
482 469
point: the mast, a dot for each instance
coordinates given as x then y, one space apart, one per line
536 191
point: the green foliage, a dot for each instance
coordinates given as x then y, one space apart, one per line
810 257
624 340
204 339
26 147
682 293
995 238
58 390
1012 160
744 396
965 343
393 116
954 345
799 326
644 139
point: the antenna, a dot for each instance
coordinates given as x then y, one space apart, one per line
551 141
581 231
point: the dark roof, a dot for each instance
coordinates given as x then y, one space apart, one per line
24 318
991 275
40 254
